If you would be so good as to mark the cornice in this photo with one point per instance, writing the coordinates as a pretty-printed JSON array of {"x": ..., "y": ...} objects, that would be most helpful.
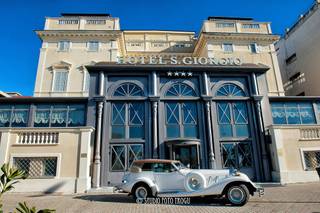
[{"x": 79, "y": 33}]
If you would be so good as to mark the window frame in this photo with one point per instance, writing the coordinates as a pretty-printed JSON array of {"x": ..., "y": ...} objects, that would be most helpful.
[
  {"x": 64, "y": 50},
  {"x": 307, "y": 149},
  {"x": 60, "y": 70},
  {"x": 93, "y": 50},
  {"x": 231, "y": 45},
  {"x": 12, "y": 109},
  {"x": 256, "y": 48}
]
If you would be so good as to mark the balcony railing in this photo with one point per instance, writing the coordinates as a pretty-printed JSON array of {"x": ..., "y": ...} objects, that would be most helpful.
[{"x": 38, "y": 138}]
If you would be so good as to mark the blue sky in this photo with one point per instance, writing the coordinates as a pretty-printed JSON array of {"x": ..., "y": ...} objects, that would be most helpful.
[{"x": 20, "y": 45}]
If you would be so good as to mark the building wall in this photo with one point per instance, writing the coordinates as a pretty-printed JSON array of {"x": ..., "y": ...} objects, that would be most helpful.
[
  {"x": 288, "y": 144},
  {"x": 302, "y": 73},
  {"x": 72, "y": 149}
]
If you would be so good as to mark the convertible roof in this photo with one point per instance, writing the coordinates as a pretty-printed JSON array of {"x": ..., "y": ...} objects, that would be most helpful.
[{"x": 155, "y": 161}]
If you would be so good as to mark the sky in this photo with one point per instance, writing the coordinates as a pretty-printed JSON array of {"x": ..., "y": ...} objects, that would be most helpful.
[{"x": 19, "y": 18}]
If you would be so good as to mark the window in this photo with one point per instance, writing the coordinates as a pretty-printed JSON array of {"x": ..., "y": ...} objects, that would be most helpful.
[
  {"x": 233, "y": 119},
  {"x": 63, "y": 46},
  {"x": 227, "y": 47},
  {"x": 127, "y": 120},
  {"x": 291, "y": 59},
  {"x": 230, "y": 90},
  {"x": 93, "y": 46},
  {"x": 181, "y": 120},
  {"x": 64, "y": 21},
  {"x": 251, "y": 26},
  {"x": 158, "y": 44},
  {"x": 128, "y": 89},
  {"x": 123, "y": 155},
  {"x": 236, "y": 155},
  {"x": 37, "y": 167},
  {"x": 60, "y": 80},
  {"x": 180, "y": 90},
  {"x": 135, "y": 44},
  {"x": 225, "y": 25},
  {"x": 59, "y": 115},
  {"x": 96, "y": 22},
  {"x": 183, "y": 45},
  {"x": 162, "y": 167},
  {"x": 311, "y": 159},
  {"x": 293, "y": 113},
  {"x": 253, "y": 48},
  {"x": 14, "y": 116}
]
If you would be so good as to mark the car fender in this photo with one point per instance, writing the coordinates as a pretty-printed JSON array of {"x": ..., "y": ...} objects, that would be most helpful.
[
  {"x": 154, "y": 188},
  {"x": 218, "y": 188}
]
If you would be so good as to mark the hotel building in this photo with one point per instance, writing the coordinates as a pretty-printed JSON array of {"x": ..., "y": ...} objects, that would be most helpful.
[{"x": 105, "y": 97}]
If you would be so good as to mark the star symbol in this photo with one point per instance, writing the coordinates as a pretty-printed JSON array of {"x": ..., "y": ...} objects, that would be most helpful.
[
  {"x": 183, "y": 74},
  {"x": 169, "y": 73},
  {"x": 176, "y": 74},
  {"x": 189, "y": 73}
]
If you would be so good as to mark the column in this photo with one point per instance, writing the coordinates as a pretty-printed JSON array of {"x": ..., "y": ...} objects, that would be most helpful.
[
  {"x": 154, "y": 101},
  {"x": 97, "y": 155},
  {"x": 257, "y": 103},
  {"x": 84, "y": 180},
  {"x": 207, "y": 98},
  {"x": 4, "y": 146}
]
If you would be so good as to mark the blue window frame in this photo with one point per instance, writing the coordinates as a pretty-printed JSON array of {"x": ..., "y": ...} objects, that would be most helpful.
[
  {"x": 128, "y": 120},
  {"x": 14, "y": 115},
  {"x": 233, "y": 119},
  {"x": 293, "y": 113}
]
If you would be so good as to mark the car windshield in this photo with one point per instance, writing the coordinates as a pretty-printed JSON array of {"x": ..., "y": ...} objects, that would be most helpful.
[{"x": 180, "y": 165}]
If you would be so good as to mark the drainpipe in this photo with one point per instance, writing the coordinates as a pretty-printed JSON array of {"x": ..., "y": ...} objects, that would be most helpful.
[
  {"x": 97, "y": 155},
  {"x": 212, "y": 162}
]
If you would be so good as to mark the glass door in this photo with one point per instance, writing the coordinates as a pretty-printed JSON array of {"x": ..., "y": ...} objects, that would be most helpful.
[{"x": 188, "y": 155}]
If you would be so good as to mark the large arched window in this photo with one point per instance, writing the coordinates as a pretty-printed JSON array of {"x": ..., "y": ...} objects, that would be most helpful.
[
  {"x": 127, "y": 124},
  {"x": 233, "y": 122},
  {"x": 128, "y": 89},
  {"x": 181, "y": 115}
]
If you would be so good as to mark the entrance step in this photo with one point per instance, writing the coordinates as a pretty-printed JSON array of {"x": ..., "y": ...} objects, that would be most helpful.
[{"x": 101, "y": 190}]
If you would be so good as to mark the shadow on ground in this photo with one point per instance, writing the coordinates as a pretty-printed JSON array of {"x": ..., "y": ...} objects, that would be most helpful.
[{"x": 124, "y": 198}]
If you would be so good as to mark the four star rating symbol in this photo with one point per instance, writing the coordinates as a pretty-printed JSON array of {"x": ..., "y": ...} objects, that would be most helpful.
[{"x": 179, "y": 74}]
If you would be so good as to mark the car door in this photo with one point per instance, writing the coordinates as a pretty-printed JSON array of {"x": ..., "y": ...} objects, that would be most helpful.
[{"x": 167, "y": 178}]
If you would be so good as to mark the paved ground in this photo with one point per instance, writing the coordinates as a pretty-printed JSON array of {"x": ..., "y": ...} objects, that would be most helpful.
[{"x": 301, "y": 198}]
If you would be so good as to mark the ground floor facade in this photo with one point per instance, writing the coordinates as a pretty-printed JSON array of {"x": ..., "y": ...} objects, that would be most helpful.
[{"x": 206, "y": 117}]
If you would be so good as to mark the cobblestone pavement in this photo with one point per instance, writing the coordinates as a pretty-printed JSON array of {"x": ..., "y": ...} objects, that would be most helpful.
[{"x": 299, "y": 198}]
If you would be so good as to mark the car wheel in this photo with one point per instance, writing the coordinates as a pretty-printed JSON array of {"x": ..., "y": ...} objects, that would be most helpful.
[
  {"x": 238, "y": 195},
  {"x": 140, "y": 192}
]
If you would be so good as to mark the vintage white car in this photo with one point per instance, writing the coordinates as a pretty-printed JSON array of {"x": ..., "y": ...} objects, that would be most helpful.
[{"x": 169, "y": 178}]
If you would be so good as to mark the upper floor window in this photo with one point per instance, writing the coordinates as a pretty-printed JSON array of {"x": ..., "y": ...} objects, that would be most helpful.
[
  {"x": 230, "y": 90},
  {"x": 63, "y": 46},
  {"x": 97, "y": 22},
  {"x": 159, "y": 44},
  {"x": 225, "y": 25},
  {"x": 251, "y": 26},
  {"x": 59, "y": 115},
  {"x": 293, "y": 113},
  {"x": 253, "y": 48},
  {"x": 14, "y": 116},
  {"x": 227, "y": 47},
  {"x": 93, "y": 46},
  {"x": 60, "y": 80},
  {"x": 180, "y": 90},
  {"x": 135, "y": 44},
  {"x": 68, "y": 21},
  {"x": 128, "y": 89},
  {"x": 291, "y": 58},
  {"x": 183, "y": 45}
]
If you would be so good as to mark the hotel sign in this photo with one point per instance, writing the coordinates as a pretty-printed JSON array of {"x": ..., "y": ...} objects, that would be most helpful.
[{"x": 173, "y": 60}]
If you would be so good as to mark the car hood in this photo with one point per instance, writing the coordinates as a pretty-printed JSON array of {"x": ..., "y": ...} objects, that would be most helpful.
[{"x": 208, "y": 172}]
